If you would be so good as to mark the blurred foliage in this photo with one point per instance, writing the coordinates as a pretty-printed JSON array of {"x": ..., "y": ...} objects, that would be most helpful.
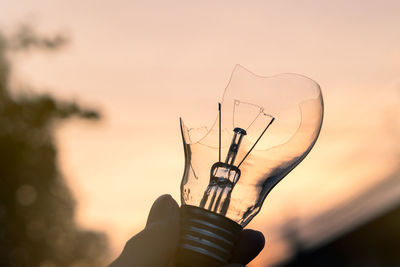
[{"x": 37, "y": 225}]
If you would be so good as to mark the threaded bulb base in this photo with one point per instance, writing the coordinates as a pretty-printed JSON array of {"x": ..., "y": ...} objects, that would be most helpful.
[{"x": 206, "y": 239}]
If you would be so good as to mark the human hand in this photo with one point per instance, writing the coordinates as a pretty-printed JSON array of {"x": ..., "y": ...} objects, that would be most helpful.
[{"x": 157, "y": 244}]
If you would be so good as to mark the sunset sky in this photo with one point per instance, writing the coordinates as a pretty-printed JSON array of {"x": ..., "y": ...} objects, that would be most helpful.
[{"x": 144, "y": 64}]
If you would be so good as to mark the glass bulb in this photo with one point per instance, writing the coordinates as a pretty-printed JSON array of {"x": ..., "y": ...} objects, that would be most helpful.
[{"x": 264, "y": 128}]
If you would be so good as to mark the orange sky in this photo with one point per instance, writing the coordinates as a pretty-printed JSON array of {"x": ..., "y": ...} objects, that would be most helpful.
[{"x": 146, "y": 63}]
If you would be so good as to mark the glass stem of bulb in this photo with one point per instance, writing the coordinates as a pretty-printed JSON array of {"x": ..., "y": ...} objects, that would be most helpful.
[
  {"x": 223, "y": 178},
  {"x": 234, "y": 147},
  {"x": 225, "y": 175}
]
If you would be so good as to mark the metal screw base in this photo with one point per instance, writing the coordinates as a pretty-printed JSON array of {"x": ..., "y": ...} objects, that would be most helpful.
[{"x": 207, "y": 238}]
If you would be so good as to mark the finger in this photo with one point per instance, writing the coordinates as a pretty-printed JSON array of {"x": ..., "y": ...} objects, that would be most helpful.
[
  {"x": 163, "y": 208},
  {"x": 249, "y": 245},
  {"x": 156, "y": 245}
]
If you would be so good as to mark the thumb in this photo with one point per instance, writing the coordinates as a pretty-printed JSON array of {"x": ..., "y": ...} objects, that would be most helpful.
[
  {"x": 164, "y": 208},
  {"x": 155, "y": 245}
]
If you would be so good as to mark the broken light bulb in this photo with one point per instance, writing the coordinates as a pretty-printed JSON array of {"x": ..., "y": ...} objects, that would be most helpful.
[{"x": 265, "y": 127}]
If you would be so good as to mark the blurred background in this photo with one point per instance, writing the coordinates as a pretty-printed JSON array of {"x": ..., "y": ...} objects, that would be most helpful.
[{"x": 91, "y": 93}]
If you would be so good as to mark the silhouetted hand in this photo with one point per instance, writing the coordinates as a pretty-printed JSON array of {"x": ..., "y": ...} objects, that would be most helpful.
[{"x": 157, "y": 244}]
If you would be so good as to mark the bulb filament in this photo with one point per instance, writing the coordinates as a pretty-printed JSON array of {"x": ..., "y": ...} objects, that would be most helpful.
[
  {"x": 234, "y": 147},
  {"x": 224, "y": 175}
]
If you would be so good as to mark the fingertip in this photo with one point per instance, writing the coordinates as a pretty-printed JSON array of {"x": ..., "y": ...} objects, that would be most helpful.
[
  {"x": 166, "y": 200},
  {"x": 249, "y": 245},
  {"x": 257, "y": 237},
  {"x": 165, "y": 197},
  {"x": 163, "y": 208}
]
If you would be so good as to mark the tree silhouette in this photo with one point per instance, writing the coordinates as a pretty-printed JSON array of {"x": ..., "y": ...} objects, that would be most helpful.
[{"x": 37, "y": 225}]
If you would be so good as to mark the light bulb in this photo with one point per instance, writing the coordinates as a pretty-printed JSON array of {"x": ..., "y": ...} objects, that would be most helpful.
[{"x": 264, "y": 128}]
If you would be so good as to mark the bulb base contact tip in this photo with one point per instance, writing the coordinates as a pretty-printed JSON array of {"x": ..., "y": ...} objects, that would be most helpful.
[{"x": 207, "y": 238}]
